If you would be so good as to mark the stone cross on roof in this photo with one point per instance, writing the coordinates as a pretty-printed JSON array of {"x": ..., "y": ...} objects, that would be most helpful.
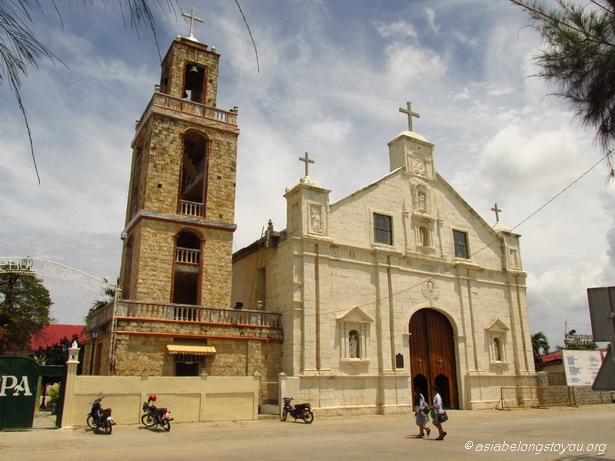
[
  {"x": 192, "y": 16},
  {"x": 307, "y": 162},
  {"x": 497, "y": 212},
  {"x": 411, "y": 114}
]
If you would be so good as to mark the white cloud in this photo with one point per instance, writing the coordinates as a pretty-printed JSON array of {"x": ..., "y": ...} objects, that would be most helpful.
[
  {"x": 408, "y": 65},
  {"x": 395, "y": 29},
  {"x": 431, "y": 19}
]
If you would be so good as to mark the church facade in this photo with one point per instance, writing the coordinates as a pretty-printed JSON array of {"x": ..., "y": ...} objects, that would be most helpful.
[{"x": 401, "y": 284}]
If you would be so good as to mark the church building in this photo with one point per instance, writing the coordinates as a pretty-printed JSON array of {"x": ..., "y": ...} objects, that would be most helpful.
[{"x": 400, "y": 284}]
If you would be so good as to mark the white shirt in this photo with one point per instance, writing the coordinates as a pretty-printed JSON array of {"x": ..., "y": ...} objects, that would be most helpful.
[
  {"x": 421, "y": 403},
  {"x": 437, "y": 403}
]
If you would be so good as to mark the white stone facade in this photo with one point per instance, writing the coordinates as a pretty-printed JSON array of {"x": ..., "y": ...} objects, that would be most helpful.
[{"x": 348, "y": 277}]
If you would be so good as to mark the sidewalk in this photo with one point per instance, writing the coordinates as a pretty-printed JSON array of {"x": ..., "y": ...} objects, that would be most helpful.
[
  {"x": 565, "y": 433},
  {"x": 44, "y": 420}
]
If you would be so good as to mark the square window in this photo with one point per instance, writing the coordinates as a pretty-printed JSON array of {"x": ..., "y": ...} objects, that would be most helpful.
[
  {"x": 460, "y": 240},
  {"x": 383, "y": 229}
]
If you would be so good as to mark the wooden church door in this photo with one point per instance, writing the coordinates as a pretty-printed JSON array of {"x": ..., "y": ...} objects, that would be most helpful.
[{"x": 432, "y": 356}]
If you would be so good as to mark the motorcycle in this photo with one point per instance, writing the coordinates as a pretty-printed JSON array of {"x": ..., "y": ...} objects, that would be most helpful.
[
  {"x": 301, "y": 410},
  {"x": 99, "y": 417},
  {"x": 154, "y": 416}
]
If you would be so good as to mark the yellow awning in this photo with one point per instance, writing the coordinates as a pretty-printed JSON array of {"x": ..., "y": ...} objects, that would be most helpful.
[{"x": 196, "y": 350}]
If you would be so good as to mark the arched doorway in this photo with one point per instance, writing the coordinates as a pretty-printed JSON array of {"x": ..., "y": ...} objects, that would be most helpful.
[{"x": 432, "y": 355}]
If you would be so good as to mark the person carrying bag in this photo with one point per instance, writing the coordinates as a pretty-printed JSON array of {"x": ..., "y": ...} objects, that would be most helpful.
[
  {"x": 421, "y": 410},
  {"x": 439, "y": 415}
]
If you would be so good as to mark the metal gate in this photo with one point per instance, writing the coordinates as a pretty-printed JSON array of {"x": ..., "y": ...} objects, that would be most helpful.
[{"x": 19, "y": 381}]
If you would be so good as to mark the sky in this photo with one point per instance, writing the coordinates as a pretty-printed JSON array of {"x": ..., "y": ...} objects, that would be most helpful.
[{"x": 329, "y": 80}]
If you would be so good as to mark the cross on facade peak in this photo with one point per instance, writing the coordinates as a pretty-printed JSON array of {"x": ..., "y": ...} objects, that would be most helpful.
[
  {"x": 193, "y": 17},
  {"x": 306, "y": 159},
  {"x": 411, "y": 114},
  {"x": 497, "y": 212}
]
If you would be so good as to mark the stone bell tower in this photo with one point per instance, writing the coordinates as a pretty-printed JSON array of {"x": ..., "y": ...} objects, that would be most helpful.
[{"x": 181, "y": 201}]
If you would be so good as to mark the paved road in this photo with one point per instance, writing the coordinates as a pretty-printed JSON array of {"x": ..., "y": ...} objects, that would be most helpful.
[{"x": 579, "y": 433}]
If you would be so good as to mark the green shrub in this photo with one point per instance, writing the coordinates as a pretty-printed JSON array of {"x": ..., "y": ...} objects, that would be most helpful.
[{"x": 54, "y": 396}]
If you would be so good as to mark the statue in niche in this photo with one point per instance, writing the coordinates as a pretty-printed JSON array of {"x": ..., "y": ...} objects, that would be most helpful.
[
  {"x": 514, "y": 262},
  {"x": 497, "y": 349},
  {"x": 422, "y": 201},
  {"x": 316, "y": 219},
  {"x": 354, "y": 345}
]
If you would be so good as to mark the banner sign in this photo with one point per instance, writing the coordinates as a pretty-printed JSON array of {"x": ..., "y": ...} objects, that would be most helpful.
[{"x": 581, "y": 367}]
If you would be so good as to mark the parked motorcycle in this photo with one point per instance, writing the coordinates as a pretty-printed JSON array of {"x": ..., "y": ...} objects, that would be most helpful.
[
  {"x": 154, "y": 416},
  {"x": 301, "y": 410},
  {"x": 99, "y": 417}
]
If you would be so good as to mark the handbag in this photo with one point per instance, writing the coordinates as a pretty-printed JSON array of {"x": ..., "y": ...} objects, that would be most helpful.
[
  {"x": 443, "y": 417},
  {"x": 425, "y": 410}
]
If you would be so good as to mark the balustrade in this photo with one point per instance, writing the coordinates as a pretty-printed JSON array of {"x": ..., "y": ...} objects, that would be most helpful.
[
  {"x": 195, "y": 108},
  {"x": 187, "y": 255},
  {"x": 184, "y": 312},
  {"x": 190, "y": 208}
]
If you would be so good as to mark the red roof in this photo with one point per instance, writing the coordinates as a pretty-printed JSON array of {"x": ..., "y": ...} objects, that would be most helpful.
[
  {"x": 551, "y": 357},
  {"x": 556, "y": 356},
  {"x": 54, "y": 333}
]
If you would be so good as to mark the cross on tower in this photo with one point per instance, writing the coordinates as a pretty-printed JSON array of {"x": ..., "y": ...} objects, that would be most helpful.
[
  {"x": 307, "y": 161},
  {"x": 411, "y": 114},
  {"x": 497, "y": 212},
  {"x": 192, "y": 16}
]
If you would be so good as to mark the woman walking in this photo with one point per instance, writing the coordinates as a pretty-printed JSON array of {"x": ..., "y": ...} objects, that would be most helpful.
[
  {"x": 419, "y": 411},
  {"x": 438, "y": 411}
]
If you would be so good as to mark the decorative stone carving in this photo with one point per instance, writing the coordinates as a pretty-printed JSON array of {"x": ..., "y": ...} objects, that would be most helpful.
[
  {"x": 420, "y": 165},
  {"x": 431, "y": 290}
]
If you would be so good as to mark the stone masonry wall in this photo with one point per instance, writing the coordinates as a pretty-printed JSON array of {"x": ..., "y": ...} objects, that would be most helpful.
[{"x": 146, "y": 354}]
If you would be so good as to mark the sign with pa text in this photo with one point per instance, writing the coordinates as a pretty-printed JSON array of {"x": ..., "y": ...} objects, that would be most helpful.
[
  {"x": 14, "y": 386},
  {"x": 18, "y": 388}
]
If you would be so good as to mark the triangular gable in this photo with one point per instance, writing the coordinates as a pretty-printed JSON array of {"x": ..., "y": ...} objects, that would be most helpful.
[
  {"x": 355, "y": 315},
  {"x": 496, "y": 325},
  {"x": 337, "y": 204}
]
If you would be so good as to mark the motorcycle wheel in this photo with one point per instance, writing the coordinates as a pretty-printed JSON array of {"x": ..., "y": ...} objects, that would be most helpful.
[
  {"x": 166, "y": 425},
  {"x": 148, "y": 420},
  {"x": 308, "y": 416},
  {"x": 90, "y": 421},
  {"x": 108, "y": 427},
  {"x": 284, "y": 415}
]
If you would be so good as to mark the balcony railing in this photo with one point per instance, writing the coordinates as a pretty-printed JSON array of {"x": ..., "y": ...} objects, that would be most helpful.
[
  {"x": 188, "y": 107},
  {"x": 195, "y": 108},
  {"x": 187, "y": 255},
  {"x": 183, "y": 312},
  {"x": 190, "y": 208},
  {"x": 100, "y": 317}
]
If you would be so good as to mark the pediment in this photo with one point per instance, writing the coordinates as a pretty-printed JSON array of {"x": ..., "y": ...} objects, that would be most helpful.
[
  {"x": 496, "y": 325},
  {"x": 355, "y": 315}
]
